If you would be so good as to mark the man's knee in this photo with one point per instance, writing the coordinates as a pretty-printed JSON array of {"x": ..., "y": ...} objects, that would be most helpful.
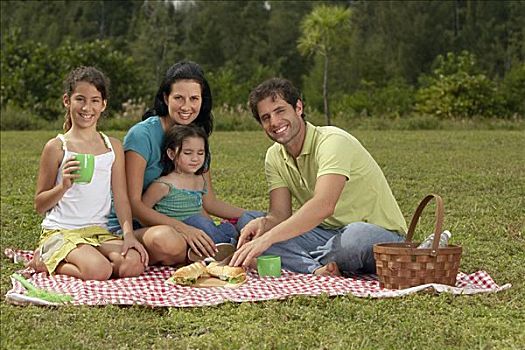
[
  {"x": 357, "y": 243},
  {"x": 246, "y": 217}
]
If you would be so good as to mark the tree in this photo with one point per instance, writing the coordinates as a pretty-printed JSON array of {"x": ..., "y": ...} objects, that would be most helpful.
[
  {"x": 54, "y": 22},
  {"x": 281, "y": 35},
  {"x": 155, "y": 41},
  {"x": 320, "y": 32}
]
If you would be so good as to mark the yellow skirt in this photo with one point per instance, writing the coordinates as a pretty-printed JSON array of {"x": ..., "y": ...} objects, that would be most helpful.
[{"x": 56, "y": 244}]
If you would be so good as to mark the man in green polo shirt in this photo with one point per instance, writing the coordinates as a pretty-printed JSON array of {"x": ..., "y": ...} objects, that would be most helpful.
[{"x": 346, "y": 203}]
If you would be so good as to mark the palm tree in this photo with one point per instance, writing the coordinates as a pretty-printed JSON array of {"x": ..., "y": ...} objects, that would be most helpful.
[{"x": 320, "y": 31}]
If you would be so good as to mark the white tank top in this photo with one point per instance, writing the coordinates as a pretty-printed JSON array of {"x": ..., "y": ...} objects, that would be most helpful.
[{"x": 84, "y": 204}]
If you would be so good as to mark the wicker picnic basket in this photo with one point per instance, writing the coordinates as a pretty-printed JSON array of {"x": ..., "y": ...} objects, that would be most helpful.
[{"x": 403, "y": 265}]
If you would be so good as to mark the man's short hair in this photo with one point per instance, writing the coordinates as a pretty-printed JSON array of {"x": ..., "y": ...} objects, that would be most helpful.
[{"x": 274, "y": 87}]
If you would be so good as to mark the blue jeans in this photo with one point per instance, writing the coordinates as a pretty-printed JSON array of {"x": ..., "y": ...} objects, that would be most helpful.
[
  {"x": 350, "y": 247},
  {"x": 225, "y": 232}
]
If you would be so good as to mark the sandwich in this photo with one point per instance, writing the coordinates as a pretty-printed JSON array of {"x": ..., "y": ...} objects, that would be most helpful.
[
  {"x": 227, "y": 273},
  {"x": 188, "y": 275}
]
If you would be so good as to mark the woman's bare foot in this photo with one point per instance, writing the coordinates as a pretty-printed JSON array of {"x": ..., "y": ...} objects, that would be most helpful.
[{"x": 329, "y": 269}]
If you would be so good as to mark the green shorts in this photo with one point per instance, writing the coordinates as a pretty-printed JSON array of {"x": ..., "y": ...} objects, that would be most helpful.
[{"x": 56, "y": 244}]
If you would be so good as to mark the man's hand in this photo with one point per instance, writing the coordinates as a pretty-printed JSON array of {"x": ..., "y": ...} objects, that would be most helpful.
[
  {"x": 251, "y": 231},
  {"x": 245, "y": 255}
]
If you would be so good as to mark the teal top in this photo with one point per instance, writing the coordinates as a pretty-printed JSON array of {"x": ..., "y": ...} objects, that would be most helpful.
[
  {"x": 180, "y": 203},
  {"x": 146, "y": 139}
]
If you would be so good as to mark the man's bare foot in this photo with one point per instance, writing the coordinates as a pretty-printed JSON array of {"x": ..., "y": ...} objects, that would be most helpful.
[
  {"x": 36, "y": 263},
  {"x": 329, "y": 269}
]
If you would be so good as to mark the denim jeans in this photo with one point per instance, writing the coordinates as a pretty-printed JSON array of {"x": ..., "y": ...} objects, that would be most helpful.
[
  {"x": 350, "y": 247},
  {"x": 225, "y": 232}
]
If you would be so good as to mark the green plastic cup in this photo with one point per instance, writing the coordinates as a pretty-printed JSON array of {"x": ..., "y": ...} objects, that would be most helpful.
[
  {"x": 269, "y": 265},
  {"x": 87, "y": 167}
]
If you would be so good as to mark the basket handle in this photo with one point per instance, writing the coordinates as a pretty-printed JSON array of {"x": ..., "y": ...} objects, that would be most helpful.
[{"x": 439, "y": 220}]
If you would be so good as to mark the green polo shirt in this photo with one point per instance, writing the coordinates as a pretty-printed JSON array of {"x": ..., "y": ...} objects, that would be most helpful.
[{"x": 366, "y": 196}]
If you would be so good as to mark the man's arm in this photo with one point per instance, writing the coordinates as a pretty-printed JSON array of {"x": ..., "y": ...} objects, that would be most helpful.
[
  {"x": 327, "y": 191},
  {"x": 280, "y": 210}
]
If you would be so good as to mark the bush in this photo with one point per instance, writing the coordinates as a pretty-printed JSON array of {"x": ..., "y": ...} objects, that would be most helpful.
[
  {"x": 512, "y": 90},
  {"x": 131, "y": 113},
  {"x": 409, "y": 122},
  {"x": 418, "y": 122},
  {"x": 393, "y": 100},
  {"x": 230, "y": 88},
  {"x": 234, "y": 119},
  {"x": 120, "y": 124},
  {"x": 32, "y": 74},
  {"x": 15, "y": 118},
  {"x": 456, "y": 90}
]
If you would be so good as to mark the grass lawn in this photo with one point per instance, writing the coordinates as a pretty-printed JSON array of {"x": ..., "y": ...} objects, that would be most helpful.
[{"x": 479, "y": 174}]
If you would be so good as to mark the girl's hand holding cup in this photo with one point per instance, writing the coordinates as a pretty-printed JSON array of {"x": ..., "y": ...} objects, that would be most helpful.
[
  {"x": 78, "y": 169},
  {"x": 68, "y": 175},
  {"x": 86, "y": 163}
]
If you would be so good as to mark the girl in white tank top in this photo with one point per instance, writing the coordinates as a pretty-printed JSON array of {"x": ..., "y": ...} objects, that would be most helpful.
[
  {"x": 75, "y": 240},
  {"x": 88, "y": 204}
]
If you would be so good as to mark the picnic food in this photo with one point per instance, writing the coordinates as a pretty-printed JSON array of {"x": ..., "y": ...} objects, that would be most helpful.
[
  {"x": 188, "y": 275},
  {"x": 227, "y": 273},
  {"x": 191, "y": 275}
]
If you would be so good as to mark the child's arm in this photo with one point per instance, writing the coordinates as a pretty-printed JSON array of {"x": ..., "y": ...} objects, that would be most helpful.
[
  {"x": 215, "y": 206},
  {"x": 47, "y": 192},
  {"x": 154, "y": 193},
  {"x": 121, "y": 202}
]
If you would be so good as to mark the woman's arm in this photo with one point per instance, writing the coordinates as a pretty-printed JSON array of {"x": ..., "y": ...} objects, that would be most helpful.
[
  {"x": 215, "y": 206},
  {"x": 121, "y": 203},
  {"x": 118, "y": 187},
  {"x": 47, "y": 192}
]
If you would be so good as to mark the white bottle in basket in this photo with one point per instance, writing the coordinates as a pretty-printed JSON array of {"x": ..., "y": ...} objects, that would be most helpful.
[{"x": 443, "y": 240}]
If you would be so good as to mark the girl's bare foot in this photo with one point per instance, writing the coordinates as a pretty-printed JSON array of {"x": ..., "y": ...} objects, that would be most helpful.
[
  {"x": 329, "y": 269},
  {"x": 36, "y": 263}
]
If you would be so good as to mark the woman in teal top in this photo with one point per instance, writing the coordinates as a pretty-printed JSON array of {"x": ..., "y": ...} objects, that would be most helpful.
[{"x": 183, "y": 98}]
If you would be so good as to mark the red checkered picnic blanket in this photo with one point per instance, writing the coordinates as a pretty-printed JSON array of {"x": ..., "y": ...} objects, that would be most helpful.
[{"x": 152, "y": 289}]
